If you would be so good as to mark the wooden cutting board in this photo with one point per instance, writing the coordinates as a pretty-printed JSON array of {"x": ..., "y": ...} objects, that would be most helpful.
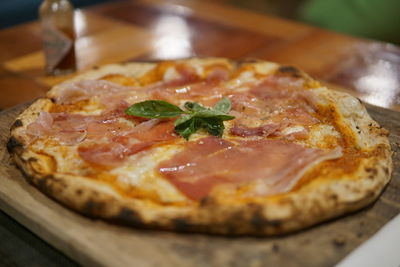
[{"x": 96, "y": 243}]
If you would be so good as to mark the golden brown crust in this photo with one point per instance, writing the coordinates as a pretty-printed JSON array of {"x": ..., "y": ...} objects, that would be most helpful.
[{"x": 328, "y": 196}]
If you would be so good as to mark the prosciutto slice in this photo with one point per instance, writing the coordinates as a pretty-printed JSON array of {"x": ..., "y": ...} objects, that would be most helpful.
[
  {"x": 276, "y": 123},
  {"x": 70, "y": 93},
  {"x": 68, "y": 129},
  {"x": 120, "y": 146},
  {"x": 108, "y": 155},
  {"x": 71, "y": 129},
  {"x": 187, "y": 84},
  {"x": 273, "y": 165},
  {"x": 265, "y": 130},
  {"x": 191, "y": 88}
]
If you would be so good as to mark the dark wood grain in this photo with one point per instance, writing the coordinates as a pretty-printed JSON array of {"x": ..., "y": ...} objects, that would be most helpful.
[
  {"x": 16, "y": 88},
  {"x": 20, "y": 247},
  {"x": 19, "y": 40},
  {"x": 154, "y": 29},
  {"x": 97, "y": 243}
]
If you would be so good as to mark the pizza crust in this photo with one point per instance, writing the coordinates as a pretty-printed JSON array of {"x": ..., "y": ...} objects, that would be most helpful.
[{"x": 314, "y": 202}]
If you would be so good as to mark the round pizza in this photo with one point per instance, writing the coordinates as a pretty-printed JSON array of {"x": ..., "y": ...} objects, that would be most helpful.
[{"x": 203, "y": 145}]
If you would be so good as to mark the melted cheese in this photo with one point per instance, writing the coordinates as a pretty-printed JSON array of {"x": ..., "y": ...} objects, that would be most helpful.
[
  {"x": 140, "y": 169},
  {"x": 323, "y": 136}
]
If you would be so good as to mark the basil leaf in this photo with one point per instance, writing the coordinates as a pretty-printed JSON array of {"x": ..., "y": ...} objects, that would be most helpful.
[
  {"x": 154, "y": 109},
  {"x": 214, "y": 126},
  {"x": 209, "y": 113},
  {"x": 193, "y": 106},
  {"x": 224, "y": 105},
  {"x": 195, "y": 117},
  {"x": 187, "y": 128},
  {"x": 183, "y": 119}
]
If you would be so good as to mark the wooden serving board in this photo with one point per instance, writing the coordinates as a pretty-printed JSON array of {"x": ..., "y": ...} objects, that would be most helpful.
[{"x": 96, "y": 243}]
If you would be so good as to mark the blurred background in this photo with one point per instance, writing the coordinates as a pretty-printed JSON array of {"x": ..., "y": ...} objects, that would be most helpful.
[
  {"x": 13, "y": 12},
  {"x": 373, "y": 19}
]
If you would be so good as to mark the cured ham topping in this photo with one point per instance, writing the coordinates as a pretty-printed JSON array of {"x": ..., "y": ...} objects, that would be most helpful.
[
  {"x": 274, "y": 166},
  {"x": 104, "y": 140},
  {"x": 217, "y": 73},
  {"x": 186, "y": 75},
  {"x": 275, "y": 87},
  {"x": 272, "y": 123},
  {"x": 248, "y": 104},
  {"x": 186, "y": 84},
  {"x": 66, "y": 128},
  {"x": 295, "y": 116},
  {"x": 153, "y": 131},
  {"x": 110, "y": 95},
  {"x": 42, "y": 125},
  {"x": 193, "y": 89},
  {"x": 71, "y": 129},
  {"x": 182, "y": 170},
  {"x": 273, "y": 107},
  {"x": 284, "y": 92},
  {"x": 108, "y": 155},
  {"x": 119, "y": 147},
  {"x": 70, "y": 93},
  {"x": 265, "y": 130}
]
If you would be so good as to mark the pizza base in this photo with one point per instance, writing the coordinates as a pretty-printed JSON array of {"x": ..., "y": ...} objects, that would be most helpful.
[{"x": 314, "y": 202}]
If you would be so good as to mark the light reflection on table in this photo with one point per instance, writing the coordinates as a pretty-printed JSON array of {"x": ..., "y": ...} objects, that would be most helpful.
[
  {"x": 155, "y": 30},
  {"x": 374, "y": 72},
  {"x": 172, "y": 38}
]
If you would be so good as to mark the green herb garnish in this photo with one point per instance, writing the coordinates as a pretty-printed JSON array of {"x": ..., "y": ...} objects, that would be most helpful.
[{"x": 192, "y": 119}]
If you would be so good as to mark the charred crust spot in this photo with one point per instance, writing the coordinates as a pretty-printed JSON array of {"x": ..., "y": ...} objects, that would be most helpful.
[
  {"x": 247, "y": 61},
  {"x": 334, "y": 197},
  {"x": 79, "y": 192},
  {"x": 53, "y": 100},
  {"x": 386, "y": 170},
  {"x": 30, "y": 160},
  {"x": 92, "y": 208},
  {"x": 128, "y": 216},
  {"x": 181, "y": 224},
  {"x": 17, "y": 123},
  {"x": 13, "y": 144},
  {"x": 274, "y": 223},
  {"x": 373, "y": 171},
  {"x": 370, "y": 194},
  {"x": 44, "y": 185},
  {"x": 49, "y": 185},
  {"x": 258, "y": 220},
  {"x": 95, "y": 67},
  {"x": 288, "y": 69},
  {"x": 293, "y": 71}
]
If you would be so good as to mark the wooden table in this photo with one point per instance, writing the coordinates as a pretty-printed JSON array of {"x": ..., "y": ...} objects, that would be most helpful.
[{"x": 156, "y": 29}]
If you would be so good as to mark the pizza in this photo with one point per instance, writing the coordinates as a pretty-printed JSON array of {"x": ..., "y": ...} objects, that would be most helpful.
[{"x": 203, "y": 145}]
